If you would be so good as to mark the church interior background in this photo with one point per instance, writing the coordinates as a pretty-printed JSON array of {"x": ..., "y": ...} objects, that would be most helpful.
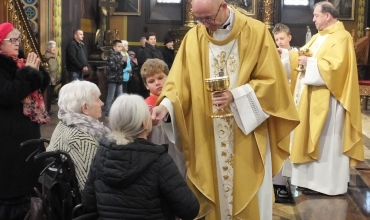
[{"x": 132, "y": 19}]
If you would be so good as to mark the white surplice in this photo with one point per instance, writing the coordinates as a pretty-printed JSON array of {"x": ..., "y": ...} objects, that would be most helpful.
[
  {"x": 330, "y": 173},
  {"x": 248, "y": 115}
]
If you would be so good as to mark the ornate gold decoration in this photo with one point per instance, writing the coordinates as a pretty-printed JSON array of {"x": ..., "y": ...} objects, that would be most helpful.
[
  {"x": 57, "y": 31},
  {"x": 18, "y": 18},
  {"x": 268, "y": 13},
  {"x": 219, "y": 84},
  {"x": 189, "y": 16},
  {"x": 303, "y": 52}
]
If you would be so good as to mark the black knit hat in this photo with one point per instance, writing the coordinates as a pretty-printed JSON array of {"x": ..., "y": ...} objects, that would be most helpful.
[{"x": 168, "y": 38}]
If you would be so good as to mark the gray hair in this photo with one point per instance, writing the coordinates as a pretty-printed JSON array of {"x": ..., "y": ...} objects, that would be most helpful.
[
  {"x": 327, "y": 7},
  {"x": 15, "y": 31},
  {"x": 75, "y": 94},
  {"x": 124, "y": 42},
  {"x": 126, "y": 118},
  {"x": 50, "y": 44}
]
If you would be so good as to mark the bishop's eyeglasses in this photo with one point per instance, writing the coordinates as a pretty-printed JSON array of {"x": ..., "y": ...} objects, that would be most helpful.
[{"x": 209, "y": 19}]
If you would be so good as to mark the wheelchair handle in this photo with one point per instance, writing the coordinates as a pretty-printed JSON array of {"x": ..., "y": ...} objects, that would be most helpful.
[
  {"x": 47, "y": 154},
  {"x": 35, "y": 141}
]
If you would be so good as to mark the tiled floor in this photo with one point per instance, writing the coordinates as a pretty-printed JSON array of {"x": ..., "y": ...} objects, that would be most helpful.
[{"x": 354, "y": 205}]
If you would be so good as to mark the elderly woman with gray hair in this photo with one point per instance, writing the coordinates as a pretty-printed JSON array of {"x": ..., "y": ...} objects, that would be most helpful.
[
  {"x": 79, "y": 131},
  {"x": 132, "y": 178},
  {"x": 51, "y": 57}
]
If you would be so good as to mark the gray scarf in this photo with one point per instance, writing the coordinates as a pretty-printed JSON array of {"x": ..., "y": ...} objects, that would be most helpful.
[{"x": 83, "y": 123}]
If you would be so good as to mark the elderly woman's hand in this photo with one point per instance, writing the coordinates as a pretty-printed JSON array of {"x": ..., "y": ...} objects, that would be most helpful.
[{"x": 33, "y": 61}]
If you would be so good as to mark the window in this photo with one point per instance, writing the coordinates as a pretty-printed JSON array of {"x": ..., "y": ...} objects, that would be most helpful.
[
  {"x": 168, "y": 1},
  {"x": 296, "y": 2}
]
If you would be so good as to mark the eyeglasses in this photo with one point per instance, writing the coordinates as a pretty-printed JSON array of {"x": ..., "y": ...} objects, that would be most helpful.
[
  {"x": 14, "y": 40},
  {"x": 209, "y": 19}
]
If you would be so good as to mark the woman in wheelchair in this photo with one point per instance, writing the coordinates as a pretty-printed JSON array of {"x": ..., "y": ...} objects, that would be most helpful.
[
  {"x": 132, "y": 178},
  {"x": 79, "y": 130}
]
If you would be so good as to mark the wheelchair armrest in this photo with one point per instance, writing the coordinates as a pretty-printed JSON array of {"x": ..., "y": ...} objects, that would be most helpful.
[
  {"x": 35, "y": 141},
  {"x": 47, "y": 154}
]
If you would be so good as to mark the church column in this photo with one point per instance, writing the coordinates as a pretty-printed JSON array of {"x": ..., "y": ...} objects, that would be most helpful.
[
  {"x": 268, "y": 13},
  {"x": 189, "y": 23},
  {"x": 189, "y": 17}
]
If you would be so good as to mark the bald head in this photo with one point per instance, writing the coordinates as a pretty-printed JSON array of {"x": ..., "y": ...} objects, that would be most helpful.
[
  {"x": 211, "y": 13},
  {"x": 327, "y": 7},
  {"x": 204, "y": 4}
]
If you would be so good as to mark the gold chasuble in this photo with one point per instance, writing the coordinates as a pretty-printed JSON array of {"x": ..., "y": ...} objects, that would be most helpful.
[
  {"x": 293, "y": 57},
  {"x": 336, "y": 61},
  {"x": 261, "y": 68}
]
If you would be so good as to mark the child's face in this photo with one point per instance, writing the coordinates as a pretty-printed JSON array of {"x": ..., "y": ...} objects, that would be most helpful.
[
  {"x": 118, "y": 47},
  {"x": 282, "y": 40},
  {"x": 155, "y": 83}
]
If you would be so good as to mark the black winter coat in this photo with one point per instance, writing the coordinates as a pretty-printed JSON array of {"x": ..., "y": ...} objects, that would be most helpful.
[
  {"x": 168, "y": 56},
  {"x": 76, "y": 58},
  {"x": 17, "y": 177},
  {"x": 150, "y": 52},
  {"x": 115, "y": 67},
  {"x": 137, "y": 181}
]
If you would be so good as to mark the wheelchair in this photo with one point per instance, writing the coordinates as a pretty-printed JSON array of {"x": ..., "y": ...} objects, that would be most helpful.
[{"x": 60, "y": 198}]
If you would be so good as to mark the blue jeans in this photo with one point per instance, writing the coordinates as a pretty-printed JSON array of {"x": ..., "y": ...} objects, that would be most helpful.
[
  {"x": 113, "y": 88},
  {"x": 74, "y": 75}
]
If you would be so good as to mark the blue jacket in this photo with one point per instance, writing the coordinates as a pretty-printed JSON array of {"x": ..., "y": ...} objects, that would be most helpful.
[{"x": 126, "y": 71}]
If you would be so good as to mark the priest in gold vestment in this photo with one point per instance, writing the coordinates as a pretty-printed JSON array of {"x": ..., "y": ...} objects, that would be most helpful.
[
  {"x": 329, "y": 138},
  {"x": 230, "y": 162}
]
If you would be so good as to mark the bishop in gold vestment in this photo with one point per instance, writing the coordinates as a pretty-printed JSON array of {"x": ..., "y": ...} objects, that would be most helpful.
[
  {"x": 244, "y": 50},
  {"x": 329, "y": 138}
]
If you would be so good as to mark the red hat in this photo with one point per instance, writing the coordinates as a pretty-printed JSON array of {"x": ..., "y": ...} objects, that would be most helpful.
[{"x": 5, "y": 28}]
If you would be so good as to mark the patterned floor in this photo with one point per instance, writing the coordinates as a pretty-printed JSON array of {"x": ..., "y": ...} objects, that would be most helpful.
[{"x": 353, "y": 205}]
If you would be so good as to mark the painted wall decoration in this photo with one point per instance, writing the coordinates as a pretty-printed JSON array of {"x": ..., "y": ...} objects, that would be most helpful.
[{"x": 31, "y": 8}]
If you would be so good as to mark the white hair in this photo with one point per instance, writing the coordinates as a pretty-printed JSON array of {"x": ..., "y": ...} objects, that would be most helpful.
[
  {"x": 50, "y": 44},
  {"x": 75, "y": 94},
  {"x": 124, "y": 42},
  {"x": 15, "y": 31},
  {"x": 126, "y": 118}
]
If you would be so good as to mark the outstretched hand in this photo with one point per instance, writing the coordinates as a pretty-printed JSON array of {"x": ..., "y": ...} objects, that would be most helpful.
[
  {"x": 158, "y": 113},
  {"x": 33, "y": 61}
]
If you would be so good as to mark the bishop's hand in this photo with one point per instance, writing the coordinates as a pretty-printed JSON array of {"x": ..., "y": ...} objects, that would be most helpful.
[
  {"x": 222, "y": 99},
  {"x": 158, "y": 113}
]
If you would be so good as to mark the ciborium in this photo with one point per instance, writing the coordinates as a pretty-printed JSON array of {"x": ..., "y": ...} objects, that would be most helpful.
[
  {"x": 303, "y": 52},
  {"x": 219, "y": 84}
]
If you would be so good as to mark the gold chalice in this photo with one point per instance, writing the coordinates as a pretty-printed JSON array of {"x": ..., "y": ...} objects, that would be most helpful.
[
  {"x": 303, "y": 52},
  {"x": 219, "y": 84}
]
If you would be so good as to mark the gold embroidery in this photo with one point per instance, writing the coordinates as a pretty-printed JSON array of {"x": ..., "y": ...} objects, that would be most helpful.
[
  {"x": 230, "y": 160},
  {"x": 223, "y": 64}
]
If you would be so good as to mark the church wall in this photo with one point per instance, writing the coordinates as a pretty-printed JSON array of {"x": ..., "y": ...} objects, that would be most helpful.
[
  {"x": 132, "y": 28},
  {"x": 298, "y": 17}
]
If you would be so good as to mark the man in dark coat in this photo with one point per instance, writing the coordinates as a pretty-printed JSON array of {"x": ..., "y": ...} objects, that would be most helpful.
[
  {"x": 76, "y": 60},
  {"x": 151, "y": 50}
]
